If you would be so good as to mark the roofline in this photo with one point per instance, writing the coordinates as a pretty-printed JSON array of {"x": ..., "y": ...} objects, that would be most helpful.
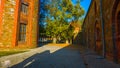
[{"x": 87, "y": 12}]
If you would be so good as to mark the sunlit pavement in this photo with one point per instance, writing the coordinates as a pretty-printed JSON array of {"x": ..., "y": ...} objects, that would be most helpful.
[{"x": 58, "y": 56}]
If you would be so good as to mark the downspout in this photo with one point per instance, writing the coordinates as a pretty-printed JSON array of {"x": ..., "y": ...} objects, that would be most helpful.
[
  {"x": 103, "y": 34},
  {"x": 114, "y": 36}
]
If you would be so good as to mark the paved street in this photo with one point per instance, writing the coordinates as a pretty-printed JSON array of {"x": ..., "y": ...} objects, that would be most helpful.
[
  {"x": 57, "y": 56},
  {"x": 54, "y": 56}
]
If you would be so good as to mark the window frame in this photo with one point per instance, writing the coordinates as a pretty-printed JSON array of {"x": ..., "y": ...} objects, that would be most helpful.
[
  {"x": 22, "y": 32},
  {"x": 24, "y": 8}
]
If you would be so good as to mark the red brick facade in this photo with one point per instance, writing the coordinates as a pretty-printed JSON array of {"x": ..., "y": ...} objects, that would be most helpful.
[{"x": 18, "y": 23}]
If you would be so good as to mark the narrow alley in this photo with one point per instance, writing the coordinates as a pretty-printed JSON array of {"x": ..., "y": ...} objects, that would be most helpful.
[{"x": 59, "y": 34}]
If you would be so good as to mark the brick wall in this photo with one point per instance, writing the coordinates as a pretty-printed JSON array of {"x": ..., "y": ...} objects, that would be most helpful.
[
  {"x": 7, "y": 23},
  {"x": 10, "y": 22},
  {"x": 92, "y": 17}
]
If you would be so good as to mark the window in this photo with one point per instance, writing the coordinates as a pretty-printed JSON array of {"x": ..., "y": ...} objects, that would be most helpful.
[
  {"x": 22, "y": 33},
  {"x": 24, "y": 8}
]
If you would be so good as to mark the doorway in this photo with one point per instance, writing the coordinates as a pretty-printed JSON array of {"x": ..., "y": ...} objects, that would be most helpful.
[
  {"x": 98, "y": 46},
  {"x": 116, "y": 30}
]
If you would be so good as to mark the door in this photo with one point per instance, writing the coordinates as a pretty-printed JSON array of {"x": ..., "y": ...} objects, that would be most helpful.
[{"x": 98, "y": 46}]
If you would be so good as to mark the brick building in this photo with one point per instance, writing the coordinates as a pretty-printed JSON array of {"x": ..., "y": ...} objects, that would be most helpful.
[
  {"x": 18, "y": 23},
  {"x": 101, "y": 28}
]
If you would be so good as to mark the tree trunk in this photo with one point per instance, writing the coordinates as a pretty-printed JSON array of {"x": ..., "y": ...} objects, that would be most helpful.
[
  {"x": 54, "y": 40},
  {"x": 70, "y": 41},
  {"x": 67, "y": 41}
]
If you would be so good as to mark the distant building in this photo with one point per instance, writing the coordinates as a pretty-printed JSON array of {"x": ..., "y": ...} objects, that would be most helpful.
[
  {"x": 18, "y": 23},
  {"x": 101, "y": 28}
]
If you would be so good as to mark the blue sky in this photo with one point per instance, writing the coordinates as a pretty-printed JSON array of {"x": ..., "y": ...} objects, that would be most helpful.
[{"x": 85, "y": 4}]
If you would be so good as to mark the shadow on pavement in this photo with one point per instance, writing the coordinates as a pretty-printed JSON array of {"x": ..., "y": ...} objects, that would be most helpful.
[{"x": 67, "y": 57}]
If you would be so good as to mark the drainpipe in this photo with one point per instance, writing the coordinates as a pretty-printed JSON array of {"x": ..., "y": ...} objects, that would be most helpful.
[
  {"x": 103, "y": 35},
  {"x": 114, "y": 41}
]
